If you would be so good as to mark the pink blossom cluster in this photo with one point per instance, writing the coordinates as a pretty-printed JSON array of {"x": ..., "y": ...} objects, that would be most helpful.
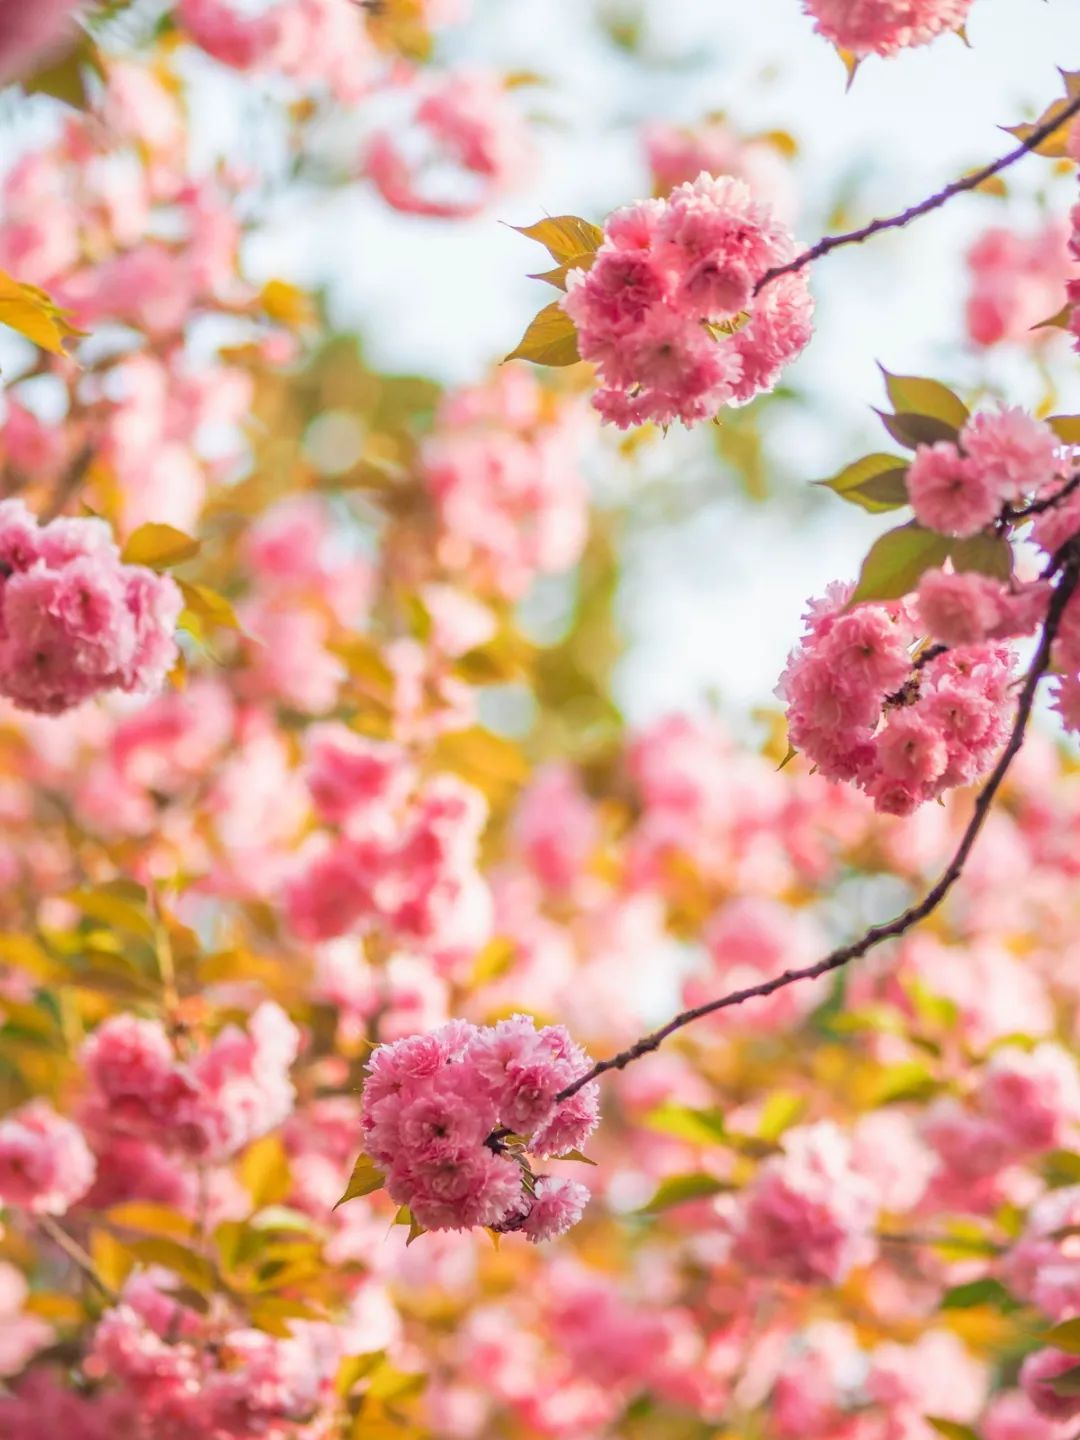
[
  {"x": 212, "y": 1105},
  {"x": 312, "y": 42},
  {"x": 1043, "y": 1267},
  {"x": 1016, "y": 281},
  {"x": 450, "y": 1115},
  {"x": 668, "y": 311},
  {"x": 1072, "y": 282},
  {"x": 883, "y": 27},
  {"x": 45, "y": 1162},
  {"x": 859, "y": 712},
  {"x": 74, "y": 620},
  {"x": 186, "y": 1377},
  {"x": 808, "y": 1214},
  {"x": 503, "y": 467},
  {"x": 404, "y": 855},
  {"x": 473, "y": 145},
  {"x": 960, "y": 488}
]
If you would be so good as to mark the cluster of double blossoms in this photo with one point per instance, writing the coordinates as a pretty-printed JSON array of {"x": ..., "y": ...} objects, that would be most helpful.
[
  {"x": 670, "y": 312},
  {"x": 452, "y": 1117},
  {"x": 910, "y": 697},
  {"x": 74, "y": 620}
]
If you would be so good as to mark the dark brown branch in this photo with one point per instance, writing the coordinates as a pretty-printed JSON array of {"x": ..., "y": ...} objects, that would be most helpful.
[
  {"x": 1037, "y": 507},
  {"x": 69, "y": 484},
  {"x": 924, "y": 207},
  {"x": 1068, "y": 562},
  {"x": 75, "y": 1252}
]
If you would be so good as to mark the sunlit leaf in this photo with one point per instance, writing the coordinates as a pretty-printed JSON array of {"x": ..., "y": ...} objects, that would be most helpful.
[
  {"x": 34, "y": 315},
  {"x": 207, "y": 605},
  {"x": 159, "y": 546},
  {"x": 1054, "y": 146},
  {"x": 550, "y": 339},
  {"x": 194, "y": 1269},
  {"x": 951, "y": 1429},
  {"x": 913, "y": 395},
  {"x": 564, "y": 236},
  {"x": 1068, "y": 1383},
  {"x": 986, "y": 1291},
  {"x": 366, "y": 1178},
  {"x": 1066, "y": 428}
]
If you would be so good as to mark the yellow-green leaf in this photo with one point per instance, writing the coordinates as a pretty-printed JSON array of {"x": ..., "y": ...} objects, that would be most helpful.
[
  {"x": 151, "y": 1219},
  {"x": 557, "y": 277},
  {"x": 33, "y": 314},
  {"x": 703, "y": 1127},
  {"x": 911, "y": 393},
  {"x": 876, "y": 483},
  {"x": 159, "y": 546},
  {"x": 951, "y": 1429},
  {"x": 366, "y": 1178},
  {"x": 194, "y": 1269},
  {"x": 680, "y": 1189},
  {"x": 1053, "y": 147},
  {"x": 207, "y": 604},
  {"x": 1066, "y": 428},
  {"x": 1065, "y": 1336},
  {"x": 1067, "y": 1383},
  {"x": 550, "y": 339},
  {"x": 64, "y": 77},
  {"x": 564, "y": 236},
  {"x": 896, "y": 560}
]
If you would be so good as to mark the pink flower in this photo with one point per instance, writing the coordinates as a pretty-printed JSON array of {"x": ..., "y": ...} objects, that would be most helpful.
[
  {"x": 439, "y": 1112},
  {"x": 1018, "y": 453},
  {"x": 557, "y": 1206},
  {"x": 74, "y": 620},
  {"x": 966, "y": 608},
  {"x": 807, "y": 1215},
  {"x": 678, "y": 154},
  {"x": 469, "y": 125},
  {"x": 237, "y": 40},
  {"x": 1033, "y": 1095},
  {"x": 1037, "y": 1375},
  {"x": 45, "y": 1163},
  {"x": 353, "y": 779},
  {"x": 950, "y": 492},
  {"x": 882, "y": 27},
  {"x": 667, "y": 311},
  {"x": 1011, "y": 1416},
  {"x": 1016, "y": 284}
]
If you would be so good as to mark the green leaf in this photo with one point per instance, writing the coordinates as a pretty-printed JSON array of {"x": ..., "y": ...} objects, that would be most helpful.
[
  {"x": 951, "y": 1429},
  {"x": 985, "y": 553},
  {"x": 564, "y": 236},
  {"x": 550, "y": 339},
  {"x": 703, "y": 1127},
  {"x": 678, "y": 1189},
  {"x": 117, "y": 904},
  {"x": 913, "y": 430},
  {"x": 987, "y": 1291},
  {"x": 910, "y": 394},
  {"x": 366, "y": 1178},
  {"x": 576, "y": 1155},
  {"x": 1067, "y": 1383},
  {"x": 877, "y": 483},
  {"x": 1066, "y": 427},
  {"x": 896, "y": 561},
  {"x": 1065, "y": 1336},
  {"x": 159, "y": 546},
  {"x": 356, "y": 1367}
]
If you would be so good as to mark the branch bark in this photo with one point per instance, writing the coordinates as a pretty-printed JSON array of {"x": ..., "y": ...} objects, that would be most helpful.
[
  {"x": 1067, "y": 565},
  {"x": 924, "y": 207}
]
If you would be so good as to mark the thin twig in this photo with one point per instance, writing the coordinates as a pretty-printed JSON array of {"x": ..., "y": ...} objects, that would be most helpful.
[
  {"x": 1037, "y": 507},
  {"x": 1068, "y": 561},
  {"x": 75, "y": 1252},
  {"x": 924, "y": 207},
  {"x": 68, "y": 485}
]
